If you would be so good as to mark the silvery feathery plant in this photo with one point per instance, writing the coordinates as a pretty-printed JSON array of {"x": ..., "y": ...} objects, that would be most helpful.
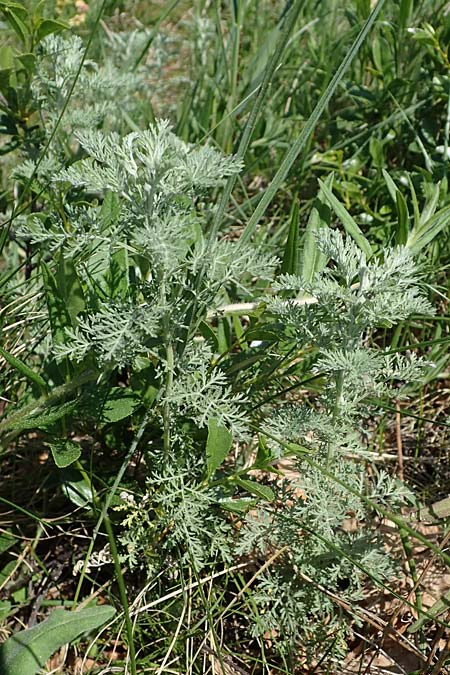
[
  {"x": 322, "y": 525},
  {"x": 128, "y": 287},
  {"x": 69, "y": 93},
  {"x": 129, "y": 279}
]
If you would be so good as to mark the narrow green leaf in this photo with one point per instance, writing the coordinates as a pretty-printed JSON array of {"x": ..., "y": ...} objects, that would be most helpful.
[
  {"x": 347, "y": 221},
  {"x": 440, "y": 606},
  {"x": 44, "y": 403},
  {"x": 430, "y": 207},
  {"x": 23, "y": 368},
  {"x": 64, "y": 452},
  {"x": 25, "y": 652},
  {"x": 405, "y": 12},
  {"x": 297, "y": 449},
  {"x": 291, "y": 250},
  {"x": 164, "y": 14},
  {"x": 262, "y": 491},
  {"x": 419, "y": 239},
  {"x": 312, "y": 260},
  {"x": 391, "y": 186},
  {"x": 218, "y": 445},
  {"x": 402, "y": 210},
  {"x": 403, "y": 219},
  {"x": 415, "y": 203}
]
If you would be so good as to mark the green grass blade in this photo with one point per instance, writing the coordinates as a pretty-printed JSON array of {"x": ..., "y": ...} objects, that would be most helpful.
[
  {"x": 171, "y": 6},
  {"x": 23, "y": 368},
  {"x": 420, "y": 238},
  {"x": 287, "y": 25},
  {"x": 312, "y": 260},
  {"x": 347, "y": 221},
  {"x": 290, "y": 262},
  {"x": 309, "y": 127}
]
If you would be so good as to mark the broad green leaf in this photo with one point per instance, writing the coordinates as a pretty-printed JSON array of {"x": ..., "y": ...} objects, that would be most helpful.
[
  {"x": 376, "y": 152},
  {"x": 405, "y": 12},
  {"x": 144, "y": 381},
  {"x": 110, "y": 211},
  {"x": 209, "y": 335},
  {"x": 49, "y": 26},
  {"x": 264, "y": 457},
  {"x": 44, "y": 418},
  {"x": 262, "y": 491},
  {"x": 15, "y": 15},
  {"x": 420, "y": 238},
  {"x": 120, "y": 403},
  {"x": 17, "y": 7},
  {"x": 5, "y": 608},
  {"x": 347, "y": 221},
  {"x": 28, "y": 61},
  {"x": 224, "y": 337},
  {"x": 76, "y": 489},
  {"x": 291, "y": 250},
  {"x": 6, "y": 541},
  {"x": 23, "y": 368},
  {"x": 6, "y": 58},
  {"x": 218, "y": 445},
  {"x": 64, "y": 452},
  {"x": 6, "y": 572},
  {"x": 117, "y": 276},
  {"x": 25, "y": 652}
]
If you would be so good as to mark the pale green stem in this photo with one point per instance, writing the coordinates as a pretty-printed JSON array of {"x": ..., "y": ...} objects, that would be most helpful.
[
  {"x": 168, "y": 389},
  {"x": 339, "y": 379},
  {"x": 169, "y": 374}
]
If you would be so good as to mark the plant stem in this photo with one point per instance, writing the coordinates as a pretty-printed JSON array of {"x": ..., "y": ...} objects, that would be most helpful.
[
  {"x": 168, "y": 389},
  {"x": 169, "y": 373},
  {"x": 123, "y": 594}
]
